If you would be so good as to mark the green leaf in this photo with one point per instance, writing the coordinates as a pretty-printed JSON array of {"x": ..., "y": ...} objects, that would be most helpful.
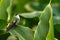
[
  {"x": 56, "y": 19},
  {"x": 50, "y": 35},
  {"x": 3, "y": 7},
  {"x": 43, "y": 25},
  {"x": 23, "y": 33},
  {"x": 9, "y": 13},
  {"x": 11, "y": 37},
  {"x": 31, "y": 15},
  {"x": 9, "y": 10}
]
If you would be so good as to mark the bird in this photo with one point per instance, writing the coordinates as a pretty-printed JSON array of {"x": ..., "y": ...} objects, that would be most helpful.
[{"x": 14, "y": 22}]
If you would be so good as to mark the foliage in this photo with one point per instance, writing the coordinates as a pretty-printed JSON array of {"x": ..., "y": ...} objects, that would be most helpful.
[{"x": 39, "y": 20}]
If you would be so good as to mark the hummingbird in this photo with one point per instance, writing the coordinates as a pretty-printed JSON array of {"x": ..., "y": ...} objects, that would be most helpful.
[{"x": 14, "y": 22}]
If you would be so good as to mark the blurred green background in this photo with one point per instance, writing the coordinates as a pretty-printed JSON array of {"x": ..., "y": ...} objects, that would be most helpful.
[{"x": 8, "y": 8}]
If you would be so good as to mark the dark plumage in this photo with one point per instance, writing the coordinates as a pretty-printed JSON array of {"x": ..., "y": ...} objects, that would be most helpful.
[{"x": 11, "y": 25}]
